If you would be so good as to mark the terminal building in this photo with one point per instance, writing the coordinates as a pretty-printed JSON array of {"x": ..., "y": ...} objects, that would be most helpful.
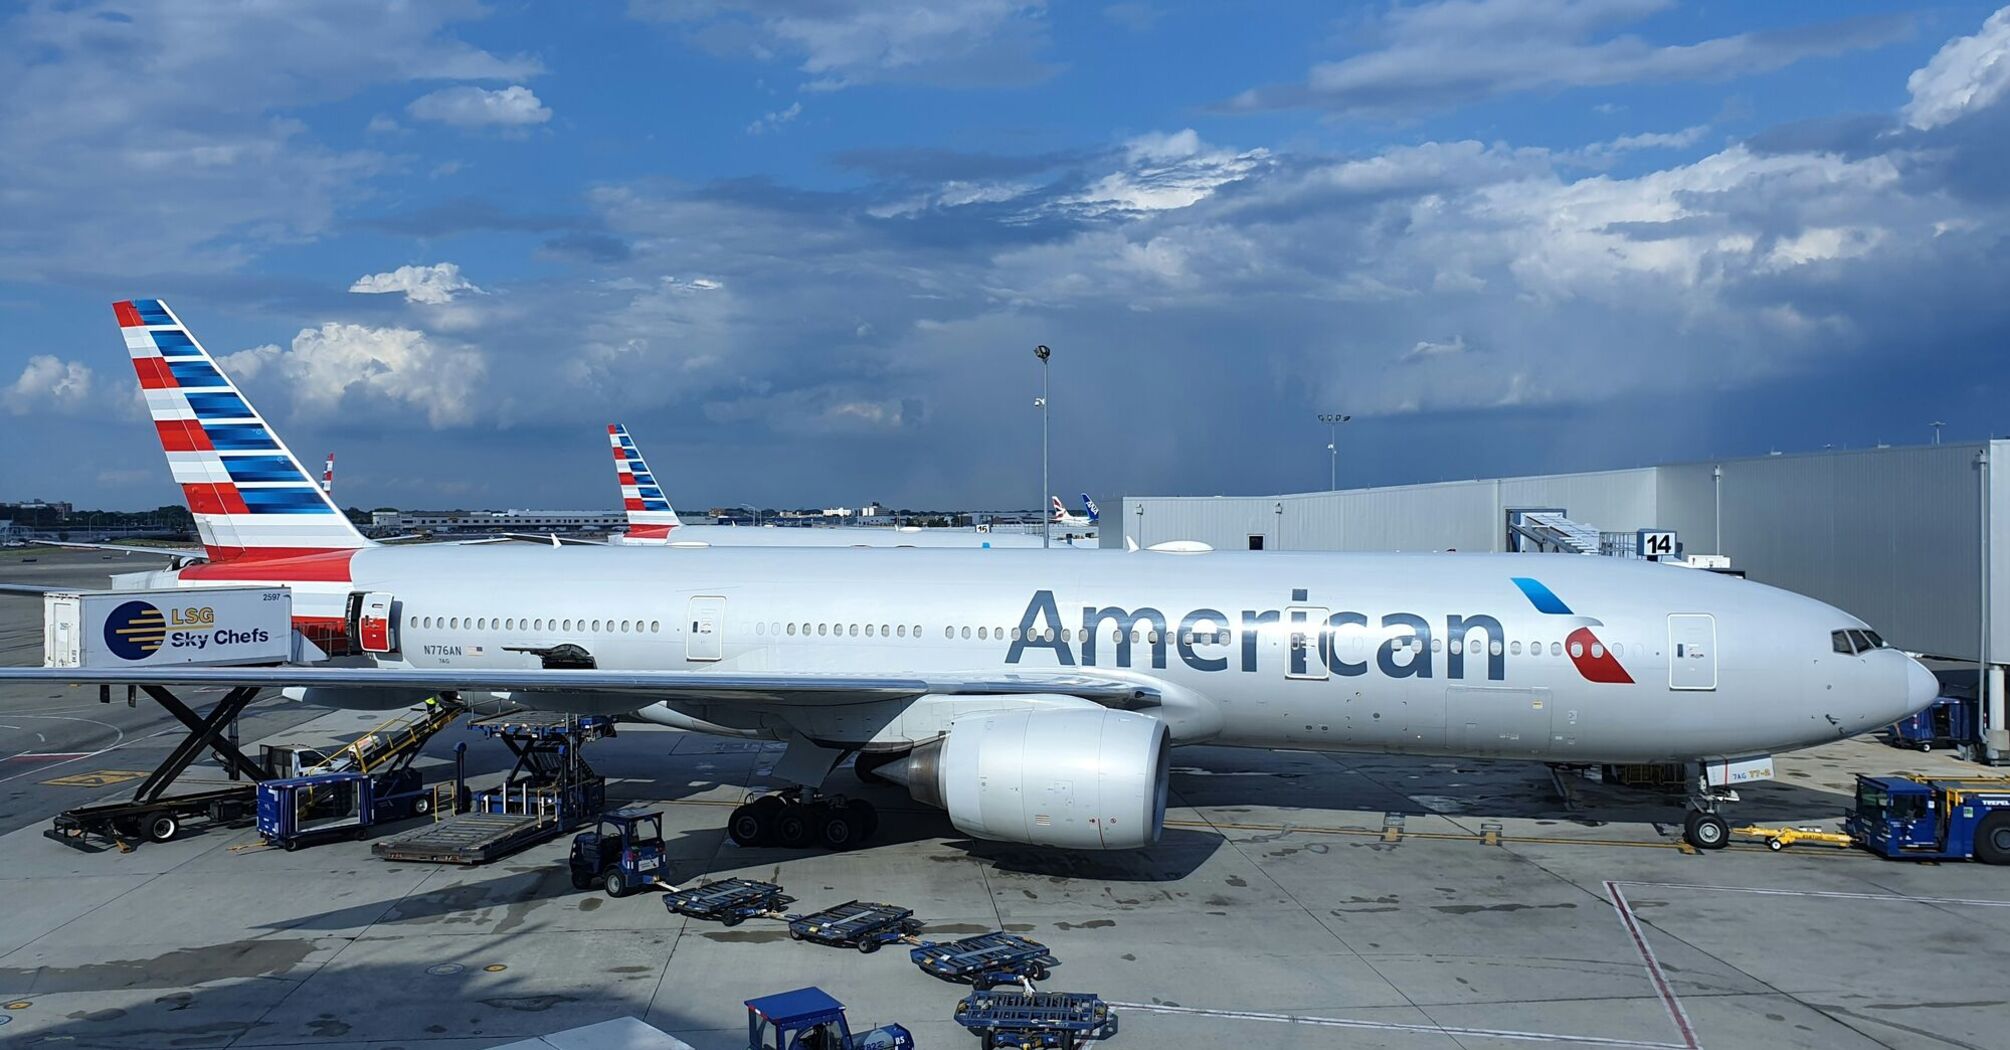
[{"x": 1910, "y": 539}]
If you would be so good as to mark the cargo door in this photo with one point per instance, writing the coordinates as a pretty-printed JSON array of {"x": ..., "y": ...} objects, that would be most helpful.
[
  {"x": 373, "y": 618},
  {"x": 1511, "y": 723},
  {"x": 1692, "y": 651},
  {"x": 1304, "y": 646},
  {"x": 707, "y": 640}
]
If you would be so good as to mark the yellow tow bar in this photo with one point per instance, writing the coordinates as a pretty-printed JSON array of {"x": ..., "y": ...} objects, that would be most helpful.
[{"x": 1778, "y": 839}]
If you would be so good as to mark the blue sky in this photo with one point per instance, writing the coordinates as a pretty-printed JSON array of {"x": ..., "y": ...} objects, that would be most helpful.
[{"x": 804, "y": 248}]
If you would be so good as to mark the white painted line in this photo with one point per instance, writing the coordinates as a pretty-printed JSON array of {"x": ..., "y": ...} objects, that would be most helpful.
[
  {"x": 1895, "y": 898},
  {"x": 1654, "y": 974},
  {"x": 1391, "y": 1026}
]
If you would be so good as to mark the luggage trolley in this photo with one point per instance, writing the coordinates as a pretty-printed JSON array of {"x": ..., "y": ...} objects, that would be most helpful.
[
  {"x": 1049, "y": 1020},
  {"x": 728, "y": 901},
  {"x": 986, "y": 959},
  {"x": 856, "y": 924}
]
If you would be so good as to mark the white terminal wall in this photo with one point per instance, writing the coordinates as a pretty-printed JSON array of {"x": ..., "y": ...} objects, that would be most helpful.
[{"x": 1890, "y": 534}]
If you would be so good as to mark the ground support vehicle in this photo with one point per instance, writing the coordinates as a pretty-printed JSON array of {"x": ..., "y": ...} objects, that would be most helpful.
[
  {"x": 623, "y": 853},
  {"x": 986, "y": 959},
  {"x": 856, "y": 924},
  {"x": 728, "y": 901},
  {"x": 1017, "y": 1019},
  {"x": 1927, "y": 818},
  {"x": 809, "y": 1019}
]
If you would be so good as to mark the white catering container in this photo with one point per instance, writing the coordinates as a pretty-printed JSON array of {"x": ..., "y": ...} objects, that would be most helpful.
[{"x": 173, "y": 626}]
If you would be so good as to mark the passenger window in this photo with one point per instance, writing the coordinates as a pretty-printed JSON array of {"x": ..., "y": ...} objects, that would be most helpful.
[
  {"x": 822, "y": 629},
  {"x": 1556, "y": 648},
  {"x": 1619, "y": 648},
  {"x": 760, "y": 628},
  {"x": 1514, "y": 649},
  {"x": 949, "y": 632},
  {"x": 966, "y": 634},
  {"x": 454, "y": 623},
  {"x": 1597, "y": 651},
  {"x": 884, "y": 631},
  {"x": 854, "y": 630},
  {"x": 917, "y": 630},
  {"x": 1473, "y": 647},
  {"x": 1494, "y": 647},
  {"x": 868, "y": 630},
  {"x": 792, "y": 629},
  {"x": 902, "y": 629},
  {"x": 1576, "y": 650},
  {"x": 983, "y": 634}
]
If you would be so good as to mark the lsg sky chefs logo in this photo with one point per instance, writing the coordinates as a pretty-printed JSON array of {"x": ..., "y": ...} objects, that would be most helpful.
[{"x": 137, "y": 630}]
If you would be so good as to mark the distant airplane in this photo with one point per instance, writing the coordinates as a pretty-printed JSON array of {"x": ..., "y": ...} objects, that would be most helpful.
[
  {"x": 1035, "y": 700},
  {"x": 1060, "y": 515},
  {"x": 328, "y": 475},
  {"x": 653, "y": 522}
]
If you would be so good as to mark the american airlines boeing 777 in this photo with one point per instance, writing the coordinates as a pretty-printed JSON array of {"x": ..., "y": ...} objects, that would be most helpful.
[{"x": 1034, "y": 699}]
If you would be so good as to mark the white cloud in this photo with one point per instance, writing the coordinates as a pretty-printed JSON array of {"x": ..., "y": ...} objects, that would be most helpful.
[
  {"x": 467, "y": 106},
  {"x": 1437, "y": 348},
  {"x": 49, "y": 384},
  {"x": 163, "y": 133},
  {"x": 844, "y": 42},
  {"x": 387, "y": 369},
  {"x": 1433, "y": 56},
  {"x": 432, "y": 285},
  {"x": 1168, "y": 171},
  {"x": 771, "y": 121},
  {"x": 1967, "y": 74}
]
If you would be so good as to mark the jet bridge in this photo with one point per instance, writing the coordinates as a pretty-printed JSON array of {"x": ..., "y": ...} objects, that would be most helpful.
[{"x": 1549, "y": 530}]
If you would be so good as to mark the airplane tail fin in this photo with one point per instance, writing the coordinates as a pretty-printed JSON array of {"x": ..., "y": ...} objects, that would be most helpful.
[
  {"x": 1060, "y": 512},
  {"x": 250, "y": 497},
  {"x": 1090, "y": 505},
  {"x": 328, "y": 475},
  {"x": 650, "y": 516}
]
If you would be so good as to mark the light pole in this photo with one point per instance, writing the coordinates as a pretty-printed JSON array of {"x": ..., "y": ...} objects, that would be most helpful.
[
  {"x": 1333, "y": 421},
  {"x": 1936, "y": 425},
  {"x": 1046, "y": 373}
]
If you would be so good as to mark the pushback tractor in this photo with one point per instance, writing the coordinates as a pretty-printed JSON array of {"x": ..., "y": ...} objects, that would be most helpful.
[{"x": 1925, "y": 818}]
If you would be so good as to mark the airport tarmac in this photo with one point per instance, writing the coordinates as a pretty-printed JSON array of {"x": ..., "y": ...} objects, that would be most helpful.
[{"x": 1297, "y": 900}]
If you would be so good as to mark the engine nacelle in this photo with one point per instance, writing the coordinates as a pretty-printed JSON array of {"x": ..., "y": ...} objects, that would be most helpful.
[{"x": 1083, "y": 779}]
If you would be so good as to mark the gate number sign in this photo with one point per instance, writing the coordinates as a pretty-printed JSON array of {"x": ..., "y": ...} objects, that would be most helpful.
[{"x": 1656, "y": 543}]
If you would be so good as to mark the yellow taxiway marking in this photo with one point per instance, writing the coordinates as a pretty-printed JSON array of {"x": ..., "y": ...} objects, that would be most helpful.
[{"x": 96, "y": 779}]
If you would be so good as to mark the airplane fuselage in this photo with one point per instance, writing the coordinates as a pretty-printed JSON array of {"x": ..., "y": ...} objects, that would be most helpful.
[{"x": 1556, "y": 658}]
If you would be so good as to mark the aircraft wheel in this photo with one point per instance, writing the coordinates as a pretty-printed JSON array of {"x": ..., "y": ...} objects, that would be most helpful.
[
  {"x": 1706, "y": 830},
  {"x": 749, "y": 825},
  {"x": 162, "y": 827},
  {"x": 792, "y": 827},
  {"x": 840, "y": 829},
  {"x": 1992, "y": 839},
  {"x": 867, "y": 816}
]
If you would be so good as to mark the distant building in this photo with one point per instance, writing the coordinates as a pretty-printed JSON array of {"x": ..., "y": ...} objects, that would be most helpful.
[{"x": 499, "y": 520}]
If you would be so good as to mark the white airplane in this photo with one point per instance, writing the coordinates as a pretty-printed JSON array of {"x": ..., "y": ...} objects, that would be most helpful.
[
  {"x": 653, "y": 523},
  {"x": 1036, "y": 701},
  {"x": 1059, "y": 514}
]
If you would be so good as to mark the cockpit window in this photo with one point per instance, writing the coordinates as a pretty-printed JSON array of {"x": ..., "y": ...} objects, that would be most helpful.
[
  {"x": 1875, "y": 639},
  {"x": 1853, "y": 641},
  {"x": 1842, "y": 642}
]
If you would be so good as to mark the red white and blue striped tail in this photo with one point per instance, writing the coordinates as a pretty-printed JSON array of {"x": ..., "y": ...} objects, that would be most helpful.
[
  {"x": 649, "y": 513},
  {"x": 251, "y": 498}
]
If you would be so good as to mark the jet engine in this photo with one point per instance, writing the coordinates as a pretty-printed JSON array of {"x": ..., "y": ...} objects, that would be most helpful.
[{"x": 1077, "y": 779}]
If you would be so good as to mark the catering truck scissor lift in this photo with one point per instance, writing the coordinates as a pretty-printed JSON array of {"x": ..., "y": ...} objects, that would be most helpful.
[
  {"x": 549, "y": 791},
  {"x": 1933, "y": 818},
  {"x": 175, "y": 627}
]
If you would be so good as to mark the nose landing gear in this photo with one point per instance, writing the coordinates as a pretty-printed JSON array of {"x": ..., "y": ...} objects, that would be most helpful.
[
  {"x": 797, "y": 818},
  {"x": 1701, "y": 826}
]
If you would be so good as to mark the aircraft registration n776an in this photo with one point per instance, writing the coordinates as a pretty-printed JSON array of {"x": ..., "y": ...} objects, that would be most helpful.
[{"x": 1033, "y": 699}]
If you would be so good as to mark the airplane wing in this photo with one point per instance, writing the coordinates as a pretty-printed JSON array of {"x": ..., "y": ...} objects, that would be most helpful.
[
  {"x": 185, "y": 553},
  {"x": 645, "y": 686},
  {"x": 553, "y": 539}
]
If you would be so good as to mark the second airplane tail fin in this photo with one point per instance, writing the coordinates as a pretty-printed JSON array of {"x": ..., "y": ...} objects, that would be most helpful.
[
  {"x": 1090, "y": 506},
  {"x": 650, "y": 516}
]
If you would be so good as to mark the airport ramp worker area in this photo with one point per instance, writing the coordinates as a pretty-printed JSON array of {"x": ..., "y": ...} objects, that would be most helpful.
[{"x": 1295, "y": 900}]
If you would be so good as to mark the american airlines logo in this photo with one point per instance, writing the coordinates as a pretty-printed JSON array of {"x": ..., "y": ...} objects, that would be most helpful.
[{"x": 1209, "y": 640}]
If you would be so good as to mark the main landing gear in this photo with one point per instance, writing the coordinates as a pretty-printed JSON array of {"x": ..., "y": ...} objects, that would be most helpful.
[{"x": 797, "y": 818}]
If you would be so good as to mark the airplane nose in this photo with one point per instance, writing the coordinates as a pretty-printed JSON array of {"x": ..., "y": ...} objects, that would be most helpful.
[{"x": 1921, "y": 688}]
